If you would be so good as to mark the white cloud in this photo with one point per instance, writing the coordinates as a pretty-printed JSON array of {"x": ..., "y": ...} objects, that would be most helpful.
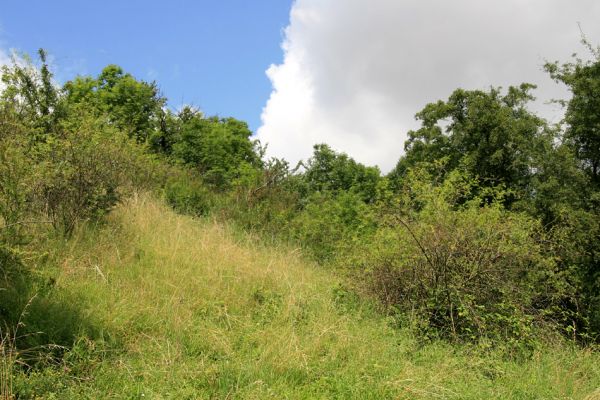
[{"x": 356, "y": 71}]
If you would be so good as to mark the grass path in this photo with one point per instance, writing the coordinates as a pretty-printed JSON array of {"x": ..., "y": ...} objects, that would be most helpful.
[{"x": 178, "y": 308}]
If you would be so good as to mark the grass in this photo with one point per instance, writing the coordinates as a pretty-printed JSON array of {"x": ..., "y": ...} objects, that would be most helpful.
[
  {"x": 6, "y": 367},
  {"x": 171, "y": 307}
]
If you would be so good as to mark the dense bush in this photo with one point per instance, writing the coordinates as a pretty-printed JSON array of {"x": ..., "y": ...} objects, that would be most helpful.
[
  {"x": 79, "y": 174},
  {"x": 15, "y": 177},
  {"x": 188, "y": 195},
  {"x": 62, "y": 162},
  {"x": 330, "y": 226},
  {"x": 461, "y": 270},
  {"x": 265, "y": 202}
]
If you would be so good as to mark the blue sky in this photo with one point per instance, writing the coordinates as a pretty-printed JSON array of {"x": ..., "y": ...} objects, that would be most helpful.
[{"x": 212, "y": 54}]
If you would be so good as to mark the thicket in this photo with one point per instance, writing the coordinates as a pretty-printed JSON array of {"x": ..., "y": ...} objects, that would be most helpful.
[{"x": 488, "y": 229}]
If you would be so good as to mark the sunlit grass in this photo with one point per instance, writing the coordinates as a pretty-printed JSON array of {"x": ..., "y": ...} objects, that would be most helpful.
[{"x": 183, "y": 308}]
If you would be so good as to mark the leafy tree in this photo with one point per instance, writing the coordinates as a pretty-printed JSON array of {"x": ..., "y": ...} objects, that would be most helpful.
[
  {"x": 164, "y": 137},
  {"x": 327, "y": 170},
  {"x": 132, "y": 106},
  {"x": 220, "y": 149},
  {"x": 492, "y": 134},
  {"x": 583, "y": 109},
  {"x": 579, "y": 220},
  {"x": 31, "y": 92}
]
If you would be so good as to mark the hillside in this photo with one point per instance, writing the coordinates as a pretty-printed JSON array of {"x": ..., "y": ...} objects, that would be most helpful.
[{"x": 169, "y": 306}]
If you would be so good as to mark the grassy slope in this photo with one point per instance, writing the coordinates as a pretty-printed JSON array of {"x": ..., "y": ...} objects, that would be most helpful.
[{"x": 183, "y": 308}]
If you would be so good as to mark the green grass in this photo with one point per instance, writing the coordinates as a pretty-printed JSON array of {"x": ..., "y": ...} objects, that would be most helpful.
[{"x": 171, "y": 307}]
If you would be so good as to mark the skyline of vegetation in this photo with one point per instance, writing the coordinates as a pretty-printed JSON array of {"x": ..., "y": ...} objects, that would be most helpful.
[{"x": 484, "y": 238}]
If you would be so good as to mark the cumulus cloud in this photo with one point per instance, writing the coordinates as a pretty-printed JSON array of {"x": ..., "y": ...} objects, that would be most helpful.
[{"x": 356, "y": 71}]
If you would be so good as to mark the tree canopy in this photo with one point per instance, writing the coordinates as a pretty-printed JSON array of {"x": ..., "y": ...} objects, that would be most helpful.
[
  {"x": 133, "y": 106},
  {"x": 582, "y": 115},
  {"x": 490, "y": 134}
]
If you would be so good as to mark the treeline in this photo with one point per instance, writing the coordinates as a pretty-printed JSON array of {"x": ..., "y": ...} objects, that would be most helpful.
[{"x": 487, "y": 230}]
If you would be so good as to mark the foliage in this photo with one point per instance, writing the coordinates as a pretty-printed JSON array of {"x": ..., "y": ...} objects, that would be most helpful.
[
  {"x": 330, "y": 226},
  {"x": 167, "y": 132},
  {"x": 463, "y": 270},
  {"x": 335, "y": 172},
  {"x": 492, "y": 134},
  {"x": 267, "y": 202},
  {"x": 188, "y": 196},
  {"x": 80, "y": 173},
  {"x": 582, "y": 78},
  {"x": 31, "y": 92},
  {"x": 132, "y": 106},
  {"x": 15, "y": 181},
  {"x": 579, "y": 218},
  {"x": 62, "y": 163},
  {"x": 220, "y": 150}
]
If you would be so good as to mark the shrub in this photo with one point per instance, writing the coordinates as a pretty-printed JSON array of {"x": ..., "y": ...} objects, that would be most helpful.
[
  {"x": 463, "y": 271},
  {"x": 265, "y": 201},
  {"x": 79, "y": 172},
  {"x": 189, "y": 196},
  {"x": 58, "y": 159},
  {"x": 15, "y": 184},
  {"x": 330, "y": 226}
]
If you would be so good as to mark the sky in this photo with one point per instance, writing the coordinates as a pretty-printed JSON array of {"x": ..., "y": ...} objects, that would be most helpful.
[
  {"x": 350, "y": 73},
  {"x": 211, "y": 54}
]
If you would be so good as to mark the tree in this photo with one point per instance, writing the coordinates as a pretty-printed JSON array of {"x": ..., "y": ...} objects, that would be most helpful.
[
  {"x": 491, "y": 134},
  {"x": 327, "y": 170},
  {"x": 581, "y": 221},
  {"x": 220, "y": 149},
  {"x": 582, "y": 115},
  {"x": 132, "y": 106},
  {"x": 32, "y": 93}
]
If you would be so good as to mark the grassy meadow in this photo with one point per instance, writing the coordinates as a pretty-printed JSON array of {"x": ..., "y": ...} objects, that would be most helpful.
[{"x": 166, "y": 306}]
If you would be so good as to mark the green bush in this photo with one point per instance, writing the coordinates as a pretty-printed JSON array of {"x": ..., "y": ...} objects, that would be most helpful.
[
  {"x": 462, "y": 271},
  {"x": 265, "y": 201},
  {"x": 15, "y": 178},
  {"x": 330, "y": 226},
  {"x": 60, "y": 162},
  {"x": 80, "y": 172},
  {"x": 188, "y": 196}
]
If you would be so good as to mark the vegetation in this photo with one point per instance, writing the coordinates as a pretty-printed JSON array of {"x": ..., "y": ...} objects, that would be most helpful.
[
  {"x": 186, "y": 308},
  {"x": 471, "y": 270}
]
